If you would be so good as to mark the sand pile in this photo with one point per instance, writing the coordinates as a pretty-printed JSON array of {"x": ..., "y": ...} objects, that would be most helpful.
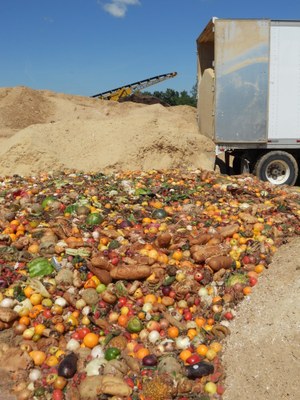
[{"x": 42, "y": 130}]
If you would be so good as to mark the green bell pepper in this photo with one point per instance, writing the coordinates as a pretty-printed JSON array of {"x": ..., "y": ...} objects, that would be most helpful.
[
  {"x": 112, "y": 353},
  {"x": 39, "y": 267}
]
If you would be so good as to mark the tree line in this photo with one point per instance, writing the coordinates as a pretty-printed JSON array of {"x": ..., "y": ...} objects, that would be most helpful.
[{"x": 175, "y": 98}]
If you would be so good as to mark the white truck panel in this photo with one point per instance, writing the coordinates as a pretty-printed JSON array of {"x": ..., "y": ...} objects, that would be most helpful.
[{"x": 284, "y": 82}]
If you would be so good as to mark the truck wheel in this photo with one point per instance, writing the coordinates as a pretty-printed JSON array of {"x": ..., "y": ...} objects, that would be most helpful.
[{"x": 277, "y": 167}]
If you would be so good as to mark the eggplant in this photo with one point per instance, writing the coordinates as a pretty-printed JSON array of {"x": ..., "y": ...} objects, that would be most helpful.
[
  {"x": 68, "y": 366},
  {"x": 150, "y": 360},
  {"x": 199, "y": 369}
]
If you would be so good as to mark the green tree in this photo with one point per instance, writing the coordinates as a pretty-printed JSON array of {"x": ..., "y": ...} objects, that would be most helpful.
[{"x": 175, "y": 98}]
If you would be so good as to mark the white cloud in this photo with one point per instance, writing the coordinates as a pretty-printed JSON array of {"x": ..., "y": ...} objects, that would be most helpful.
[{"x": 118, "y": 8}]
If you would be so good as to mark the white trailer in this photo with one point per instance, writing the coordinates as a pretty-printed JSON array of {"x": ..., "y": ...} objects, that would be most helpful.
[{"x": 249, "y": 95}]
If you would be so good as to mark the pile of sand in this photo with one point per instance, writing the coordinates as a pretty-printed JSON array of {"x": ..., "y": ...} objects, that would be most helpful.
[{"x": 43, "y": 130}]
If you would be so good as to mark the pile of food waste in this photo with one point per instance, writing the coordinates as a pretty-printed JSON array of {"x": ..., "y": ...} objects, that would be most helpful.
[{"x": 123, "y": 286}]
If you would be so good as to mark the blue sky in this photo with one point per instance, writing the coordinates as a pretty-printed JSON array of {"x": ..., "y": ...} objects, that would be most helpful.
[{"x": 85, "y": 47}]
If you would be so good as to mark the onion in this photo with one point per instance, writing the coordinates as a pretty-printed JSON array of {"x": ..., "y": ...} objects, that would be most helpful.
[
  {"x": 97, "y": 352},
  {"x": 8, "y": 303},
  {"x": 86, "y": 310},
  {"x": 164, "y": 323},
  {"x": 202, "y": 292},
  {"x": 35, "y": 375},
  {"x": 60, "y": 301},
  {"x": 147, "y": 307},
  {"x": 19, "y": 329},
  {"x": 143, "y": 334},
  {"x": 73, "y": 345},
  {"x": 153, "y": 336},
  {"x": 182, "y": 342}
]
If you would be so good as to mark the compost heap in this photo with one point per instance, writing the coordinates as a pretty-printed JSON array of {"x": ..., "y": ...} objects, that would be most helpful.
[
  {"x": 47, "y": 131},
  {"x": 123, "y": 285}
]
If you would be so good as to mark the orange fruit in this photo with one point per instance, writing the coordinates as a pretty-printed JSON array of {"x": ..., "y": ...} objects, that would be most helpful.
[
  {"x": 39, "y": 329},
  {"x": 185, "y": 354},
  {"x": 35, "y": 299},
  {"x": 202, "y": 349},
  {"x": 200, "y": 321},
  {"x": 141, "y": 353},
  {"x": 24, "y": 320},
  {"x": 150, "y": 298},
  {"x": 177, "y": 255},
  {"x": 122, "y": 320},
  {"x": 259, "y": 268},
  {"x": 173, "y": 332},
  {"x": 247, "y": 290},
  {"x": 91, "y": 340}
]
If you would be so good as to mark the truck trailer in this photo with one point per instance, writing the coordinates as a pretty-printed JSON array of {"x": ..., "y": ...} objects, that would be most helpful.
[{"x": 249, "y": 96}]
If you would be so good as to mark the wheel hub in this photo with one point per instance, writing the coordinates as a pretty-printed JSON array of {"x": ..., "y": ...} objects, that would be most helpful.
[{"x": 278, "y": 172}]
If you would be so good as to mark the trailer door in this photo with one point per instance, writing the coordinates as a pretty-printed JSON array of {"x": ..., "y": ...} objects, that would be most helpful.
[
  {"x": 241, "y": 79},
  {"x": 284, "y": 97}
]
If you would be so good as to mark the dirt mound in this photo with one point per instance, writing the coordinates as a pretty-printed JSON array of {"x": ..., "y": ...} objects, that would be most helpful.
[
  {"x": 42, "y": 130},
  {"x": 21, "y": 107}
]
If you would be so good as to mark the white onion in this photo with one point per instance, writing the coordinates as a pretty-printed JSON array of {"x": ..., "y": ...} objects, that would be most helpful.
[
  {"x": 60, "y": 301},
  {"x": 35, "y": 375},
  {"x": 73, "y": 345},
  {"x": 97, "y": 352},
  {"x": 202, "y": 292},
  {"x": 143, "y": 334},
  {"x": 96, "y": 235},
  {"x": 147, "y": 307},
  {"x": 154, "y": 336},
  {"x": 182, "y": 342},
  {"x": 8, "y": 303},
  {"x": 86, "y": 310}
]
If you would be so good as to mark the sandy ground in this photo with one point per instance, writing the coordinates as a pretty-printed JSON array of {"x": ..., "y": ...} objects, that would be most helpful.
[
  {"x": 46, "y": 131},
  {"x": 262, "y": 354}
]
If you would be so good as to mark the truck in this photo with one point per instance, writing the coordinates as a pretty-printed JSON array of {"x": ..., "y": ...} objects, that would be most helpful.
[{"x": 248, "y": 90}]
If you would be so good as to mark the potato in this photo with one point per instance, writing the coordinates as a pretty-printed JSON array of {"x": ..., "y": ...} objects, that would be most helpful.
[
  {"x": 128, "y": 272},
  {"x": 92, "y": 386},
  {"x": 164, "y": 239},
  {"x": 101, "y": 274},
  {"x": 218, "y": 262},
  {"x": 8, "y": 315},
  {"x": 201, "y": 253},
  {"x": 101, "y": 262},
  {"x": 228, "y": 231},
  {"x": 201, "y": 239}
]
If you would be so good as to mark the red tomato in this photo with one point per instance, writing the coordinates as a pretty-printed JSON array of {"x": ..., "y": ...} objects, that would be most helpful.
[
  {"x": 47, "y": 314},
  {"x": 76, "y": 336},
  {"x": 252, "y": 281},
  {"x": 82, "y": 332},
  {"x": 198, "y": 276},
  {"x": 122, "y": 301},
  {"x": 90, "y": 275},
  {"x": 193, "y": 359},
  {"x": 57, "y": 394},
  {"x": 228, "y": 315},
  {"x": 188, "y": 316}
]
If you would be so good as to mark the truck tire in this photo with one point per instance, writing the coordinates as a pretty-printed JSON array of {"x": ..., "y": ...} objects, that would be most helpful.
[{"x": 277, "y": 167}]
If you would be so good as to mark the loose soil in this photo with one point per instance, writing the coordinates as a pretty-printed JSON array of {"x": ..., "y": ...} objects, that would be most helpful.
[{"x": 42, "y": 130}]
